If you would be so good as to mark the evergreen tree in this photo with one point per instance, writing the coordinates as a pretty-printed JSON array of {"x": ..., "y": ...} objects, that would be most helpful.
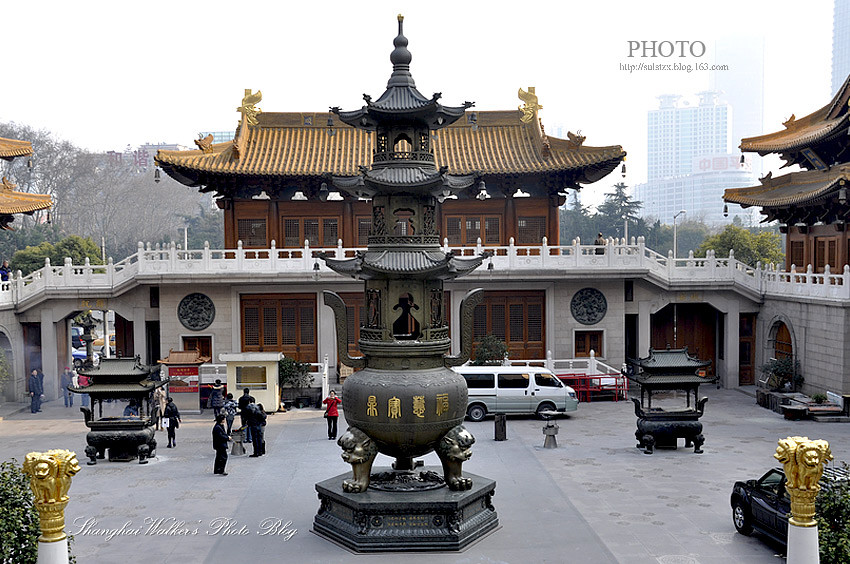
[{"x": 618, "y": 208}]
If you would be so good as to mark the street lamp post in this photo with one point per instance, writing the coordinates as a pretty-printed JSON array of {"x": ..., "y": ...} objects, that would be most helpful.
[{"x": 675, "y": 240}]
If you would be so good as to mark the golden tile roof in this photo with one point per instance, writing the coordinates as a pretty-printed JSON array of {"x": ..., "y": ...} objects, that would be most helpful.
[
  {"x": 12, "y": 201},
  {"x": 11, "y": 148},
  {"x": 806, "y": 131},
  {"x": 791, "y": 189},
  {"x": 282, "y": 145}
]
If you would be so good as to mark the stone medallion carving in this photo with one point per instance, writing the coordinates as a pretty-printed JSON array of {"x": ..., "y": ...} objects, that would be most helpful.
[
  {"x": 196, "y": 311},
  {"x": 588, "y": 306}
]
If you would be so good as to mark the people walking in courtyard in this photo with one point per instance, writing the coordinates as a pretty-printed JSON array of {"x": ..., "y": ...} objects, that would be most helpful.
[
  {"x": 83, "y": 381},
  {"x": 229, "y": 412},
  {"x": 171, "y": 421},
  {"x": 35, "y": 388},
  {"x": 220, "y": 438},
  {"x": 244, "y": 401},
  {"x": 159, "y": 406},
  {"x": 255, "y": 418},
  {"x": 65, "y": 381},
  {"x": 217, "y": 397},
  {"x": 332, "y": 413}
]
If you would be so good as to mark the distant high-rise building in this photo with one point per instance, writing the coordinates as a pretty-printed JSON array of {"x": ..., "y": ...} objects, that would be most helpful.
[
  {"x": 689, "y": 158},
  {"x": 677, "y": 132},
  {"x": 840, "y": 44},
  {"x": 740, "y": 82}
]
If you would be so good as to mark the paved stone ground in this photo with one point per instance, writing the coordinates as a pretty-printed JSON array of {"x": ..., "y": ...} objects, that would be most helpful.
[{"x": 596, "y": 498}]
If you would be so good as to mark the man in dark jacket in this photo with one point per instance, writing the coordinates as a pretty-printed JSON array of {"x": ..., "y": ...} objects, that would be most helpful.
[
  {"x": 34, "y": 385},
  {"x": 173, "y": 415},
  {"x": 255, "y": 418},
  {"x": 244, "y": 401},
  {"x": 220, "y": 438}
]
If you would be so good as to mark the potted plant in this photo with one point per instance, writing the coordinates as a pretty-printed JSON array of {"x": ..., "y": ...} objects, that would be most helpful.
[
  {"x": 490, "y": 350},
  {"x": 819, "y": 398},
  {"x": 294, "y": 375},
  {"x": 782, "y": 374}
]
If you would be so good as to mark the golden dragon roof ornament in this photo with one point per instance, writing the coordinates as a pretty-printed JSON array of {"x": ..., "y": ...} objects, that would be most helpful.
[
  {"x": 530, "y": 105},
  {"x": 248, "y": 108}
]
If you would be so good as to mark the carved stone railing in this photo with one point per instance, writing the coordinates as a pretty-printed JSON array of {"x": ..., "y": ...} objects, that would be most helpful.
[{"x": 633, "y": 260}]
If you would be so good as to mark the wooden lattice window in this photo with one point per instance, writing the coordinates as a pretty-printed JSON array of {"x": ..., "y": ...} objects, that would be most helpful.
[
  {"x": 280, "y": 322},
  {"x": 797, "y": 248},
  {"x": 252, "y": 232},
  {"x": 364, "y": 226},
  {"x": 467, "y": 229},
  {"x": 531, "y": 230},
  {"x": 586, "y": 341},
  {"x": 317, "y": 231}
]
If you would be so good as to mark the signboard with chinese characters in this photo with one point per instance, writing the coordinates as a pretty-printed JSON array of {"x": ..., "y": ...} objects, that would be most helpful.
[
  {"x": 720, "y": 162},
  {"x": 100, "y": 304},
  {"x": 183, "y": 387}
]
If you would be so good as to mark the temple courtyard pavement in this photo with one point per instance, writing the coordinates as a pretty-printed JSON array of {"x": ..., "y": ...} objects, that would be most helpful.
[{"x": 596, "y": 498}]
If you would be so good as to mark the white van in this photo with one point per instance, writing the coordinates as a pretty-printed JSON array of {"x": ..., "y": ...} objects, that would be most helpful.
[{"x": 514, "y": 389}]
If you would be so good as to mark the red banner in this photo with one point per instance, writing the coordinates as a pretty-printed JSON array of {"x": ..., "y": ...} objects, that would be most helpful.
[
  {"x": 182, "y": 371},
  {"x": 182, "y": 389}
]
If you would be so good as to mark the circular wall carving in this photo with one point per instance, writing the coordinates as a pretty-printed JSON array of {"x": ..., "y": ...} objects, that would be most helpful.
[
  {"x": 588, "y": 306},
  {"x": 196, "y": 311}
]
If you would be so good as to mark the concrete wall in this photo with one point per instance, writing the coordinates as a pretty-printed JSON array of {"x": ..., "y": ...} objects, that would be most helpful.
[{"x": 819, "y": 334}]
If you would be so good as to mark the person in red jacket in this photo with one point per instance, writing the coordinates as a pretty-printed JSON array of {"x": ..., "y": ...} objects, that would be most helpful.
[{"x": 332, "y": 413}]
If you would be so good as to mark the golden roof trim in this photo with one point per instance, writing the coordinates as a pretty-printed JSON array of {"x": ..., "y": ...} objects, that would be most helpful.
[
  {"x": 789, "y": 189},
  {"x": 297, "y": 144},
  {"x": 12, "y": 202},
  {"x": 11, "y": 148}
]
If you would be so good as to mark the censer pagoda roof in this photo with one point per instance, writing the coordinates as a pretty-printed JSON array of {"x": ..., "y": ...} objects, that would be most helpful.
[
  {"x": 383, "y": 263},
  {"x": 292, "y": 146}
]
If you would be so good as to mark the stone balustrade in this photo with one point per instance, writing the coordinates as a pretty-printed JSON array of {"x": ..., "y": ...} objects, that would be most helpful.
[{"x": 616, "y": 258}]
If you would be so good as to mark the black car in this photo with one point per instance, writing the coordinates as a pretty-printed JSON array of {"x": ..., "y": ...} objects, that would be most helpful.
[{"x": 764, "y": 504}]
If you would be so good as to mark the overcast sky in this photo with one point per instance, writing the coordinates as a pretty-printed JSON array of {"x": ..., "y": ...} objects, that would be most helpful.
[{"x": 105, "y": 75}]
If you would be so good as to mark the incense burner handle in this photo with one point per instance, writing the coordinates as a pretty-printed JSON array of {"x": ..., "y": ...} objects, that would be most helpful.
[
  {"x": 467, "y": 309},
  {"x": 333, "y": 301}
]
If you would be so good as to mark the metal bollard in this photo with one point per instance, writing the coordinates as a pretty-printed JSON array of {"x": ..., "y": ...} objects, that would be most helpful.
[
  {"x": 549, "y": 431},
  {"x": 501, "y": 427},
  {"x": 238, "y": 448}
]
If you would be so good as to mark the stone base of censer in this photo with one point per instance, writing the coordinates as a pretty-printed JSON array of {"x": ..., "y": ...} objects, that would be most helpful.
[{"x": 405, "y": 511}]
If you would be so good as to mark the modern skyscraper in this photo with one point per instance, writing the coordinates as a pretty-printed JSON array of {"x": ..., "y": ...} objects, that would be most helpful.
[
  {"x": 840, "y": 44},
  {"x": 690, "y": 161}
]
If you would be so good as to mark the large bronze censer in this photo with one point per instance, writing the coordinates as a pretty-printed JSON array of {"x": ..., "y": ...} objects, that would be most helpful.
[{"x": 405, "y": 401}]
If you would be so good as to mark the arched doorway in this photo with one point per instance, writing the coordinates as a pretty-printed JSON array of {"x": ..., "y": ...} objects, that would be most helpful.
[{"x": 783, "y": 346}]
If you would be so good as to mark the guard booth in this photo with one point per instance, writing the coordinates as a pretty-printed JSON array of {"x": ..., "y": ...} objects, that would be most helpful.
[
  {"x": 257, "y": 371},
  {"x": 183, "y": 376}
]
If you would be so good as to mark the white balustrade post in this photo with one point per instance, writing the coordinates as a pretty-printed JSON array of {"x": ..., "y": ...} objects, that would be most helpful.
[
  {"x": 340, "y": 251},
  {"x": 511, "y": 253},
  {"x": 479, "y": 248},
  {"x": 205, "y": 257},
  {"x": 732, "y": 263},
  {"x": 172, "y": 257},
  {"x": 711, "y": 263},
  {"x": 550, "y": 362},
  {"x": 110, "y": 272},
  {"x": 140, "y": 257},
  {"x": 308, "y": 260},
  {"x": 325, "y": 383},
  {"x": 87, "y": 271},
  {"x": 810, "y": 278},
  {"x": 240, "y": 256},
  {"x": 67, "y": 271},
  {"x": 48, "y": 272},
  {"x": 641, "y": 241},
  {"x": 670, "y": 264},
  {"x": 845, "y": 282},
  {"x": 273, "y": 256},
  {"x": 445, "y": 244},
  {"x": 610, "y": 252},
  {"x": 544, "y": 251},
  {"x": 591, "y": 364}
]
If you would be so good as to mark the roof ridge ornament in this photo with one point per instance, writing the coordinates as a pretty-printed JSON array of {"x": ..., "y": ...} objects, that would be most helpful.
[
  {"x": 530, "y": 105},
  {"x": 248, "y": 108}
]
